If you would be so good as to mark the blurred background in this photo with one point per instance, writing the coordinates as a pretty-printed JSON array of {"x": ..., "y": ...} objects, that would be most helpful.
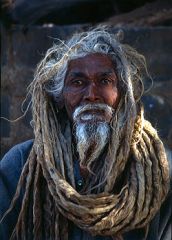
[{"x": 29, "y": 28}]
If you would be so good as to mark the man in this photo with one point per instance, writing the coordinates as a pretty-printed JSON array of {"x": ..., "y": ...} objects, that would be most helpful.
[{"x": 96, "y": 168}]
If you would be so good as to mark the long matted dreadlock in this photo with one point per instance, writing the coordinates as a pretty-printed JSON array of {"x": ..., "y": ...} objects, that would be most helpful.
[{"x": 135, "y": 152}]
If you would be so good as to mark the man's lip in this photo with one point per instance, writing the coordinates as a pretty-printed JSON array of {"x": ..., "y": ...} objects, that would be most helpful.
[
  {"x": 93, "y": 112},
  {"x": 91, "y": 117}
]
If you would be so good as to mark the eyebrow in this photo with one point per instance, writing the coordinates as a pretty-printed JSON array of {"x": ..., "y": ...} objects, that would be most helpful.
[
  {"x": 107, "y": 73},
  {"x": 75, "y": 74}
]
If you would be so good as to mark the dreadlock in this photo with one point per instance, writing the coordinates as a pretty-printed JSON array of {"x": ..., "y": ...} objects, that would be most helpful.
[{"x": 135, "y": 153}]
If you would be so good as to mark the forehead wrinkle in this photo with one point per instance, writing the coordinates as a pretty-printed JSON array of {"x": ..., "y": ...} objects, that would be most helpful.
[
  {"x": 104, "y": 73},
  {"x": 87, "y": 73}
]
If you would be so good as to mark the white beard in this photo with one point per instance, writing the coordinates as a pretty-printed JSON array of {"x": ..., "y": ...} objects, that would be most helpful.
[{"x": 91, "y": 135}]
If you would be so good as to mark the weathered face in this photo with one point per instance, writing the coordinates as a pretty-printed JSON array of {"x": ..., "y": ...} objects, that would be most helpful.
[{"x": 90, "y": 79}]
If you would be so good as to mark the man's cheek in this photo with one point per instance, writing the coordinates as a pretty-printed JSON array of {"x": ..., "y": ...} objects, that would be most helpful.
[
  {"x": 70, "y": 108},
  {"x": 114, "y": 100}
]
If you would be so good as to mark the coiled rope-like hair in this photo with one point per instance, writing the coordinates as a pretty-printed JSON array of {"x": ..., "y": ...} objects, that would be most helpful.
[{"x": 135, "y": 153}]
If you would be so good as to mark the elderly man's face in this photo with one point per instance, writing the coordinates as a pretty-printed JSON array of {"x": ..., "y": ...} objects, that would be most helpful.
[
  {"x": 89, "y": 80},
  {"x": 91, "y": 95}
]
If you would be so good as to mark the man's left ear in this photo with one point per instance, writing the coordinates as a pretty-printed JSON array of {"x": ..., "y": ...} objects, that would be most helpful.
[{"x": 59, "y": 101}]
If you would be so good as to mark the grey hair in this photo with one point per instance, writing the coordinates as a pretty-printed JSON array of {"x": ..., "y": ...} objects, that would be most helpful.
[
  {"x": 129, "y": 66},
  {"x": 127, "y": 61},
  {"x": 50, "y": 197}
]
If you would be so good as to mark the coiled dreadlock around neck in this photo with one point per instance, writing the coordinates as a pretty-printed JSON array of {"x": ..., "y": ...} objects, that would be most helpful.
[{"x": 134, "y": 152}]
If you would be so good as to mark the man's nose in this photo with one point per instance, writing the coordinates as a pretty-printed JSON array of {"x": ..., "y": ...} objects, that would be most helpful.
[{"x": 92, "y": 94}]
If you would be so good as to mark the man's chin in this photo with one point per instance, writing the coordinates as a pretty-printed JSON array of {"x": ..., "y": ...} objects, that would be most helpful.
[{"x": 92, "y": 137}]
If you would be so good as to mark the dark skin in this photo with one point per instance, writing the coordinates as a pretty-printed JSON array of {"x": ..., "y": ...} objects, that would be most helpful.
[{"x": 90, "y": 79}]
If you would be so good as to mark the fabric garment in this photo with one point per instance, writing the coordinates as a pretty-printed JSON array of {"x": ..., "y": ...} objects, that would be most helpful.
[{"x": 10, "y": 170}]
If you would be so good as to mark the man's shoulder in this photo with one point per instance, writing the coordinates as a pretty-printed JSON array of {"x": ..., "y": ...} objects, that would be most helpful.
[
  {"x": 11, "y": 167},
  {"x": 10, "y": 170},
  {"x": 16, "y": 156}
]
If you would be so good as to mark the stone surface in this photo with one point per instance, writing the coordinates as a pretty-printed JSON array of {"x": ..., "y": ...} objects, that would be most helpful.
[
  {"x": 22, "y": 50},
  {"x": 58, "y": 12}
]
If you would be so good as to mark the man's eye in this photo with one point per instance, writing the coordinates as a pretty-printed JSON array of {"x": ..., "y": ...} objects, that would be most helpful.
[
  {"x": 77, "y": 82},
  {"x": 106, "y": 81}
]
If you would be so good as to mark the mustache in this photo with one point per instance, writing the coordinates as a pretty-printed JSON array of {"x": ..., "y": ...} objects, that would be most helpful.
[{"x": 96, "y": 106}]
